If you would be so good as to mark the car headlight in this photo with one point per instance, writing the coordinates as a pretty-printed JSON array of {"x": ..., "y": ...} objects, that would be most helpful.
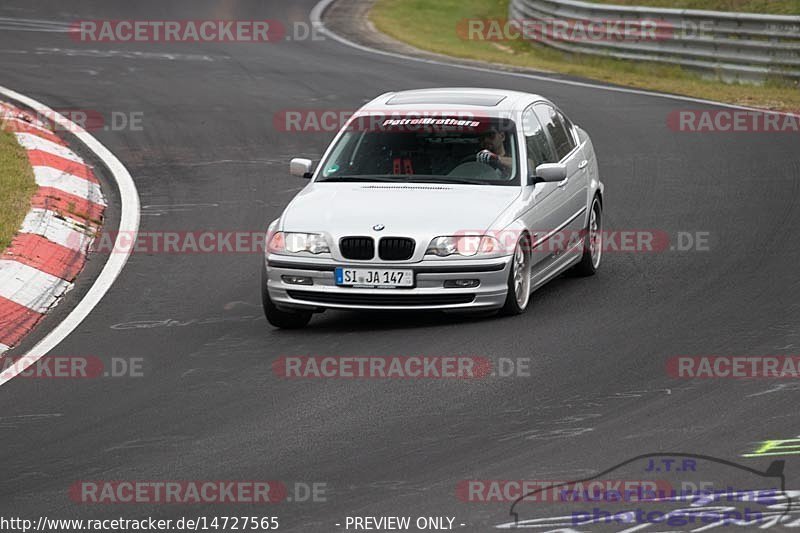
[
  {"x": 463, "y": 245},
  {"x": 286, "y": 242}
]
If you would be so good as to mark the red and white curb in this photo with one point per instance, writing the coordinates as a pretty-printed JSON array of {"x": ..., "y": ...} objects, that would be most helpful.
[
  {"x": 49, "y": 251},
  {"x": 129, "y": 218}
]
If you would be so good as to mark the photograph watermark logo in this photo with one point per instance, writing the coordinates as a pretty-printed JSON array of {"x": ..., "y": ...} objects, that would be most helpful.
[
  {"x": 732, "y": 121},
  {"x": 78, "y": 119},
  {"x": 382, "y": 367},
  {"x": 469, "y": 242},
  {"x": 564, "y": 30},
  {"x": 183, "y": 492},
  {"x": 193, "y": 31},
  {"x": 95, "y": 120},
  {"x": 180, "y": 242},
  {"x": 579, "y": 30},
  {"x": 550, "y": 491},
  {"x": 424, "y": 367},
  {"x": 707, "y": 492},
  {"x": 75, "y": 367},
  {"x": 734, "y": 367}
]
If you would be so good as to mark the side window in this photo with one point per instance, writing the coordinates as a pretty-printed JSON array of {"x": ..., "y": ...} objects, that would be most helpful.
[
  {"x": 539, "y": 148},
  {"x": 563, "y": 141},
  {"x": 568, "y": 126}
]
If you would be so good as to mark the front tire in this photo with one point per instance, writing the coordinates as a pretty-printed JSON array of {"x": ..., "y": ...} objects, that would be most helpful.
[
  {"x": 519, "y": 280},
  {"x": 278, "y": 317},
  {"x": 592, "y": 243}
]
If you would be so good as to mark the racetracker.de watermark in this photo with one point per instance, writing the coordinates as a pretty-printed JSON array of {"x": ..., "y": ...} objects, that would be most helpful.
[
  {"x": 192, "y": 31},
  {"x": 182, "y": 492},
  {"x": 547, "y": 491},
  {"x": 469, "y": 241},
  {"x": 578, "y": 30},
  {"x": 732, "y": 121},
  {"x": 399, "y": 367},
  {"x": 78, "y": 119},
  {"x": 180, "y": 242},
  {"x": 734, "y": 367},
  {"x": 620, "y": 240},
  {"x": 94, "y": 120},
  {"x": 74, "y": 367}
]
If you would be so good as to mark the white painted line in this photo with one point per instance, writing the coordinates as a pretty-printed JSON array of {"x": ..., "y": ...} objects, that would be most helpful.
[
  {"x": 128, "y": 226},
  {"x": 58, "y": 179},
  {"x": 316, "y": 20},
  {"x": 3, "y": 348},
  {"x": 123, "y": 54},
  {"x": 20, "y": 24},
  {"x": 30, "y": 287},
  {"x": 48, "y": 224},
  {"x": 29, "y": 141}
]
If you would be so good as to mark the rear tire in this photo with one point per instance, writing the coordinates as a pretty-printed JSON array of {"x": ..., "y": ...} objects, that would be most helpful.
[
  {"x": 592, "y": 242},
  {"x": 519, "y": 280},
  {"x": 278, "y": 317}
]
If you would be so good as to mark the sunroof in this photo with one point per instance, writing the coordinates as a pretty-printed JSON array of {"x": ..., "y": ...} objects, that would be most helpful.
[{"x": 477, "y": 99}]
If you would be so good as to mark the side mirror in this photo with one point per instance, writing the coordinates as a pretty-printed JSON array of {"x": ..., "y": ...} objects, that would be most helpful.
[
  {"x": 551, "y": 172},
  {"x": 301, "y": 167}
]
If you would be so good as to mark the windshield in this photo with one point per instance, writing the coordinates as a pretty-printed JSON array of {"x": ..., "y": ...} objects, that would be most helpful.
[{"x": 481, "y": 151}]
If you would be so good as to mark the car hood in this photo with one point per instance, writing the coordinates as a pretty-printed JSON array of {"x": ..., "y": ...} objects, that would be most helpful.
[{"x": 403, "y": 209}]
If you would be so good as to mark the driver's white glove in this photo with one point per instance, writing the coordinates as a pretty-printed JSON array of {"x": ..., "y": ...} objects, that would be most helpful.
[{"x": 488, "y": 158}]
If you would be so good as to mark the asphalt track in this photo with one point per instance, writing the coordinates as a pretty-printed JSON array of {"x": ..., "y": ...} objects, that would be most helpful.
[{"x": 209, "y": 406}]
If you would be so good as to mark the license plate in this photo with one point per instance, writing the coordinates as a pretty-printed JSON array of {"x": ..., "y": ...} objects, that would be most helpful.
[{"x": 371, "y": 277}]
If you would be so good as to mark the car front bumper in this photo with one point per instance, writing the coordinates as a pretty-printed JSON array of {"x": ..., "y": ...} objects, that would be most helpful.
[{"x": 428, "y": 293}]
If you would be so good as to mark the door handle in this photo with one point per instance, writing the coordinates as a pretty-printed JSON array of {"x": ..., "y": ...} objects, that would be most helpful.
[
  {"x": 562, "y": 183},
  {"x": 583, "y": 164}
]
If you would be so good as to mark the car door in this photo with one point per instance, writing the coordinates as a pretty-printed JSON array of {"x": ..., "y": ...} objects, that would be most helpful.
[
  {"x": 572, "y": 206},
  {"x": 543, "y": 201}
]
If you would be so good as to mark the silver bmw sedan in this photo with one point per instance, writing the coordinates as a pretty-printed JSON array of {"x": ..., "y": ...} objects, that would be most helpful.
[{"x": 454, "y": 199}]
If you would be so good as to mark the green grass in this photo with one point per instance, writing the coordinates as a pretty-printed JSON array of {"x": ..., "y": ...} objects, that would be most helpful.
[
  {"x": 433, "y": 26},
  {"x": 775, "y": 7},
  {"x": 16, "y": 186}
]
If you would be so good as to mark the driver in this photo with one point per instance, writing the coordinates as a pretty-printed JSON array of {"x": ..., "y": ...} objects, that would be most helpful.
[{"x": 493, "y": 150}]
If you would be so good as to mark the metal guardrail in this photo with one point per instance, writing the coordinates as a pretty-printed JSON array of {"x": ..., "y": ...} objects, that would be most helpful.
[{"x": 731, "y": 46}]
